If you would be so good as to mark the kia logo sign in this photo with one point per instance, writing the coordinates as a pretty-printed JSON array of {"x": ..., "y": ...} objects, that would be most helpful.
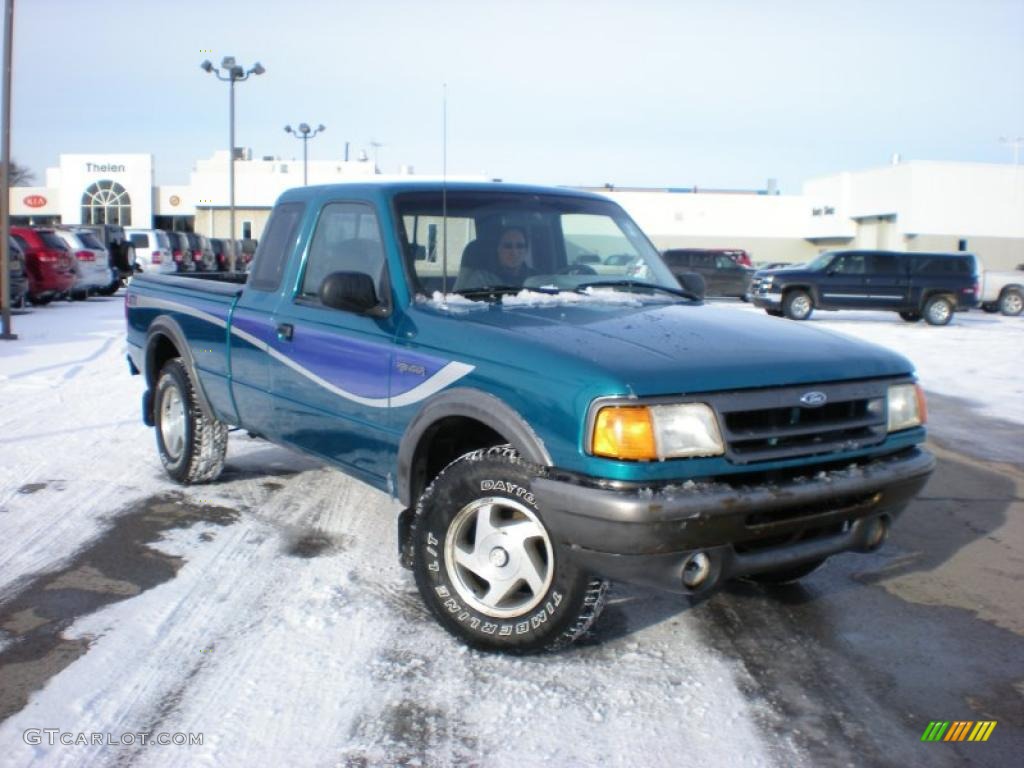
[
  {"x": 813, "y": 399},
  {"x": 35, "y": 201}
]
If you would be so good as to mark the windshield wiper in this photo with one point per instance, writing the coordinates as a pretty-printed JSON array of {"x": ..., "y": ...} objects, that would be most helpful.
[
  {"x": 502, "y": 290},
  {"x": 639, "y": 285}
]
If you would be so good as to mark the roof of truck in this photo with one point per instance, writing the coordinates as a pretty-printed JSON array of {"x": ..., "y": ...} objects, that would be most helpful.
[{"x": 395, "y": 187}]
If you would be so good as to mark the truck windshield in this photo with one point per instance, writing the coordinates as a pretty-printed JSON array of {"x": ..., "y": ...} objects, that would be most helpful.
[
  {"x": 820, "y": 261},
  {"x": 504, "y": 242}
]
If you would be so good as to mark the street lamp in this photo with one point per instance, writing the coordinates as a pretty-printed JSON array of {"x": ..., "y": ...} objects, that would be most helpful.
[
  {"x": 1016, "y": 142},
  {"x": 232, "y": 73},
  {"x": 305, "y": 133}
]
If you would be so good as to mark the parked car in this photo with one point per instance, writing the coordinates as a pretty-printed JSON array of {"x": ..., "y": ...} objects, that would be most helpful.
[
  {"x": 916, "y": 285},
  {"x": 122, "y": 253},
  {"x": 602, "y": 427},
  {"x": 50, "y": 266},
  {"x": 18, "y": 276},
  {"x": 722, "y": 272},
  {"x": 196, "y": 249},
  {"x": 92, "y": 242},
  {"x": 246, "y": 249},
  {"x": 223, "y": 253},
  {"x": 152, "y": 250},
  {"x": 180, "y": 252},
  {"x": 92, "y": 270},
  {"x": 209, "y": 258},
  {"x": 1002, "y": 292}
]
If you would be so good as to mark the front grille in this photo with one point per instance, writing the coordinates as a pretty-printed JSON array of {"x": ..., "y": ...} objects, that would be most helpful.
[{"x": 773, "y": 424}]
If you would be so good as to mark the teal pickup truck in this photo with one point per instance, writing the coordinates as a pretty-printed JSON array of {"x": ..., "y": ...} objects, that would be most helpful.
[{"x": 520, "y": 370}]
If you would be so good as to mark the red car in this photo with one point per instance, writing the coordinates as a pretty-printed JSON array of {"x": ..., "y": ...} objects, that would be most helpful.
[
  {"x": 740, "y": 256},
  {"x": 50, "y": 266}
]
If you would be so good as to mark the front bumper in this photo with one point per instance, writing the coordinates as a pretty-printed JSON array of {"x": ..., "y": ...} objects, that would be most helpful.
[
  {"x": 766, "y": 300},
  {"x": 645, "y": 535}
]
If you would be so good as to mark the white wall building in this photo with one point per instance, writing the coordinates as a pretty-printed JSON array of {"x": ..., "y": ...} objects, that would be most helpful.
[{"x": 912, "y": 206}]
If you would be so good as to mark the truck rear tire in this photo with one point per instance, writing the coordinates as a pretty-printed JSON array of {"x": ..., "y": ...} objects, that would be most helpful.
[
  {"x": 797, "y": 305},
  {"x": 486, "y": 565},
  {"x": 938, "y": 310},
  {"x": 1011, "y": 302},
  {"x": 191, "y": 445}
]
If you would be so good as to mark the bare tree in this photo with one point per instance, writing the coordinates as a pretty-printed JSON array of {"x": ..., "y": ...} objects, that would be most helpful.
[{"x": 20, "y": 175}]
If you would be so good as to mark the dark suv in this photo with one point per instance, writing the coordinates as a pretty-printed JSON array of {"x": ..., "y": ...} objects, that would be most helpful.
[
  {"x": 916, "y": 285},
  {"x": 119, "y": 247},
  {"x": 723, "y": 273}
]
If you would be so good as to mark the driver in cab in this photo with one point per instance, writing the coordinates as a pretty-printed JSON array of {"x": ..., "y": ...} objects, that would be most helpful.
[{"x": 509, "y": 267}]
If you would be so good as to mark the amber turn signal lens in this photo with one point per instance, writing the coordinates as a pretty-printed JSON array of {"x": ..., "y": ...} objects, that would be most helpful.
[
  {"x": 624, "y": 432},
  {"x": 922, "y": 405}
]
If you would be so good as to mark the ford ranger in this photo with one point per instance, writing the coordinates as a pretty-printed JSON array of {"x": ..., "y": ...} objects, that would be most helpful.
[{"x": 545, "y": 427}]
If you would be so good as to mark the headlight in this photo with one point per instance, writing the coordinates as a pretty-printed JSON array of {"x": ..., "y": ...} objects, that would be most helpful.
[
  {"x": 906, "y": 407},
  {"x": 656, "y": 432}
]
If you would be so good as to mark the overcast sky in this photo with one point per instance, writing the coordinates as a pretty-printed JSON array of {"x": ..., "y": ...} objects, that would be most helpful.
[{"x": 722, "y": 93}]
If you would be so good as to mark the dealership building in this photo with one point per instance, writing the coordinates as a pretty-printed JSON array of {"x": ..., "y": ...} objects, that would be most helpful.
[{"x": 906, "y": 206}]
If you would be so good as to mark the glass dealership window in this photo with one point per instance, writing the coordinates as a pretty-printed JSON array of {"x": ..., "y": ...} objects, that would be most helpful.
[{"x": 106, "y": 202}]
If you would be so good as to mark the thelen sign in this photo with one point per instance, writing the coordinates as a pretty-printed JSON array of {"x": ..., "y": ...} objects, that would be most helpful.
[{"x": 35, "y": 201}]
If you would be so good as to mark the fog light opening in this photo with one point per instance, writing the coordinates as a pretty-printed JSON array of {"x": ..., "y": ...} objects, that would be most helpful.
[
  {"x": 878, "y": 532},
  {"x": 696, "y": 570}
]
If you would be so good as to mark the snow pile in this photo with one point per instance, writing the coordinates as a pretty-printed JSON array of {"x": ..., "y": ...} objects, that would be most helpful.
[{"x": 458, "y": 304}]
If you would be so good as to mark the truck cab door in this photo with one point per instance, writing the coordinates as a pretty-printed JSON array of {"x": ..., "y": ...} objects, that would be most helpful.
[
  {"x": 252, "y": 321},
  {"x": 330, "y": 374},
  {"x": 844, "y": 283}
]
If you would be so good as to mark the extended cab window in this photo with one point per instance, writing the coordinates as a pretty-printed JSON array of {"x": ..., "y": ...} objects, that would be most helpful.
[
  {"x": 275, "y": 247},
  {"x": 885, "y": 264},
  {"x": 347, "y": 239}
]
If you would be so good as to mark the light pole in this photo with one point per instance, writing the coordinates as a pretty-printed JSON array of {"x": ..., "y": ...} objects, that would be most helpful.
[
  {"x": 1016, "y": 143},
  {"x": 5, "y": 166},
  {"x": 305, "y": 133},
  {"x": 232, "y": 73}
]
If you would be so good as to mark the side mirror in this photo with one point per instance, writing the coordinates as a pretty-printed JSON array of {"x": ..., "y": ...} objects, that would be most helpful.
[
  {"x": 692, "y": 283},
  {"x": 351, "y": 292}
]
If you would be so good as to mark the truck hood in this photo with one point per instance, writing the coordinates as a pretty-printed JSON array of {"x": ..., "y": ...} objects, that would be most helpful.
[{"x": 673, "y": 348}]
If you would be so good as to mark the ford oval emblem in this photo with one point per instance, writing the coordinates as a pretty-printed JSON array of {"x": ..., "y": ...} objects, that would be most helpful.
[{"x": 813, "y": 399}]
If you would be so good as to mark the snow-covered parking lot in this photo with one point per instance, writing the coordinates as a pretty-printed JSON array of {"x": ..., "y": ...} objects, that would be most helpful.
[{"x": 268, "y": 613}]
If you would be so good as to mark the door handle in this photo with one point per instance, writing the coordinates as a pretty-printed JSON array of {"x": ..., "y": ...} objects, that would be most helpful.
[{"x": 285, "y": 331}]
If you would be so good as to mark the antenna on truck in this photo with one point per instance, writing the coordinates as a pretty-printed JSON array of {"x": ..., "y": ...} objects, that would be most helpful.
[{"x": 444, "y": 194}]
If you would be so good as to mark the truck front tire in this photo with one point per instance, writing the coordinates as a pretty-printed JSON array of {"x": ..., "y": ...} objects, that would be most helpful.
[
  {"x": 485, "y": 563},
  {"x": 191, "y": 445},
  {"x": 797, "y": 305}
]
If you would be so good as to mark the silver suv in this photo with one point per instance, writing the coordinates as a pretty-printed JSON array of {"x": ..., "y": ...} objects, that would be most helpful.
[{"x": 152, "y": 250}]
